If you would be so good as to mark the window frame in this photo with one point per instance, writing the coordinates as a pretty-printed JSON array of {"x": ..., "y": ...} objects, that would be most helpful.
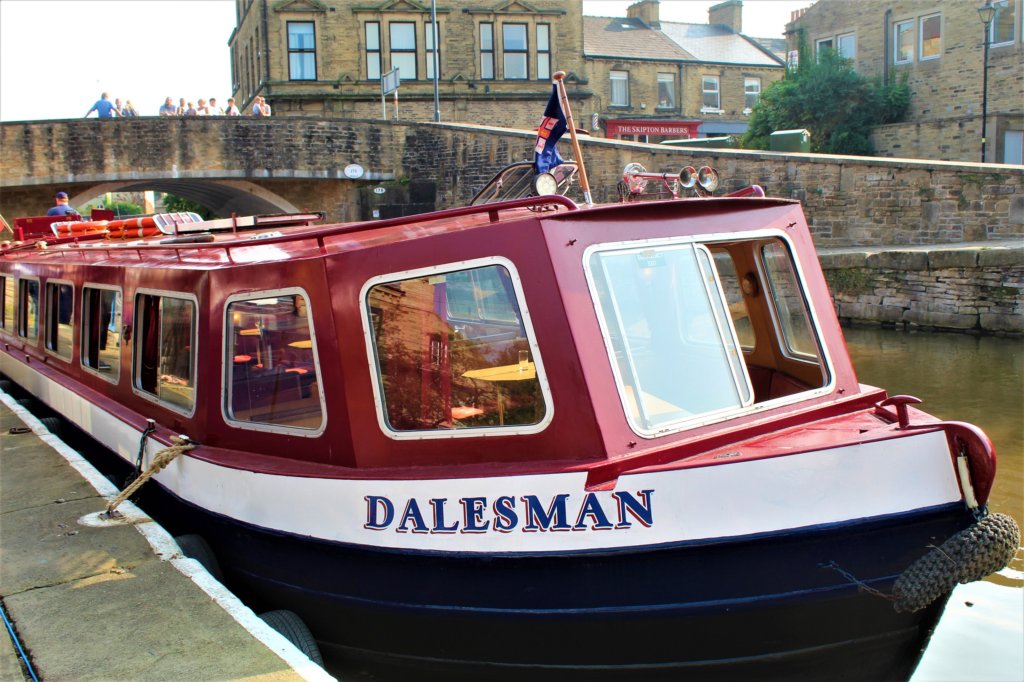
[
  {"x": 709, "y": 242},
  {"x": 112, "y": 377},
  {"x": 506, "y": 52},
  {"x": 225, "y": 393},
  {"x": 998, "y": 4},
  {"x": 613, "y": 76},
  {"x": 6, "y": 302},
  {"x": 428, "y": 50},
  {"x": 704, "y": 78},
  {"x": 371, "y": 51},
  {"x": 896, "y": 41},
  {"x": 47, "y": 320},
  {"x": 300, "y": 51},
  {"x": 545, "y": 72},
  {"x": 771, "y": 297},
  {"x": 21, "y": 314},
  {"x": 839, "y": 47},
  {"x": 531, "y": 337},
  {"x": 414, "y": 51},
  {"x": 920, "y": 36},
  {"x": 670, "y": 78},
  {"x": 747, "y": 82},
  {"x": 137, "y": 334},
  {"x": 823, "y": 43},
  {"x": 487, "y": 52}
]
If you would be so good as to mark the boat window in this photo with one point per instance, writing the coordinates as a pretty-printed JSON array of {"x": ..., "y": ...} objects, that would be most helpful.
[
  {"x": 7, "y": 292},
  {"x": 274, "y": 377},
  {"x": 675, "y": 354},
  {"x": 165, "y": 348},
  {"x": 101, "y": 325},
  {"x": 28, "y": 308},
  {"x": 788, "y": 303},
  {"x": 59, "y": 310},
  {"x": 731, "y": 287},
  {"x": 452, "y": 352}
]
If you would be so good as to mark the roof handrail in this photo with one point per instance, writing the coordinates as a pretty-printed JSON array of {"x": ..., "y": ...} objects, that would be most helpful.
[{"x": 330, "y": 231}]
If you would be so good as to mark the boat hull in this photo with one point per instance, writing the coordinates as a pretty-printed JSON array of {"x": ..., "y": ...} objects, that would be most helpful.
[{"x": 781, "y": 606}]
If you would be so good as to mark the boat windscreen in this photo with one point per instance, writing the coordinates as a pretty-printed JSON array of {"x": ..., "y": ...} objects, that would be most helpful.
[{"x": 518, "y": 181}]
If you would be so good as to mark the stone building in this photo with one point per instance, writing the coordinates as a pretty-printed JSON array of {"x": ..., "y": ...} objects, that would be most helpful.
[
  {"x": 655, "y": 80},
  {"x": 326, "y": 58},
  {"x": 496, "y": 57},
  {"x": 939, "y": 47}
]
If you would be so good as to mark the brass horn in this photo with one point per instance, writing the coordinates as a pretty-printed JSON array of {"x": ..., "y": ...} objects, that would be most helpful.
[
  {"x": 707, "y": 178},
  {"x": 687, "y": 177}
]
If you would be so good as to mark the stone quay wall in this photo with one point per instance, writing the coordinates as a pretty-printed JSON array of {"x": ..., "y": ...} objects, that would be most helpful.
[{"x": 970, "y": 288}]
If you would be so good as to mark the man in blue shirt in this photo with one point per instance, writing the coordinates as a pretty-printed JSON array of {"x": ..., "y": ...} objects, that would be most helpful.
[
  {"x": 104, "y": 108},
  {"x": 62, "y": 207}
]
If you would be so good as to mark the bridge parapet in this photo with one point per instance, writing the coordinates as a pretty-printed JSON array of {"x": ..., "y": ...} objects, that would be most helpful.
[{"x": 300, "y": 162}]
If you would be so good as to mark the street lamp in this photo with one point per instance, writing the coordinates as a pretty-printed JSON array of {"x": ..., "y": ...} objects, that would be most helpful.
[{"x": 986, "y": 12}]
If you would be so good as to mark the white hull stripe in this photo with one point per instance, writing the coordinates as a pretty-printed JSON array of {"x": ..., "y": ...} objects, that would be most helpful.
[{"x": 553, "y": 512}]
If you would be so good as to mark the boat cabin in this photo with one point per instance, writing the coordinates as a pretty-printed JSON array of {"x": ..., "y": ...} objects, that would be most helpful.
[{"x": 518, "y": 335}]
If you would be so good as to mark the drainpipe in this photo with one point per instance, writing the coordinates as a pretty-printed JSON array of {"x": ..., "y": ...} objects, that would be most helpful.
[
  {"x": 886, "y": 47},
  {"x": 679, "y": 99},
  {"x": 266, "y": 47}
]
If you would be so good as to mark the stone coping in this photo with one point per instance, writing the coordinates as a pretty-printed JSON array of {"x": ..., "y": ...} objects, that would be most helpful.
[{"x": 1004, "y": 253}]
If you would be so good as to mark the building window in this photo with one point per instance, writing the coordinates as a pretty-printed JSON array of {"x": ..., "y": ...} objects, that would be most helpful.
[
  {"x": 7, "y": 294},
  {"x": 428, "y": 33},
  {"x": 301, "y": 51},
  {"x": 929, "y": 44},
  {"x": 273, "y": 375},
  {"x": 620, "y": 88},
  {"x": 1002, "y": 26},
  {"x": 543, "y": 51},
  {"x": 822, "y": 45},
  {"x": 60, "y": 301},
  {"x": 487, "y": 51},
  {"x": 751, "y": 92},
  {"x": 403, "y": 49},
  {"x": 711, "y": 100},
  {"x": 903, "y": 42},
  {"x": 666, "y": 91},
  {"x": 514, "y": 51},
  {"x": 28, "y": 308},
  {"x": 372, "y": 50},
  {"x": 165, "y": 363},
  {"x": 454, "y": 353},
  {"x": 101, "y": 331},
  {"x": 846, "y": 45}
]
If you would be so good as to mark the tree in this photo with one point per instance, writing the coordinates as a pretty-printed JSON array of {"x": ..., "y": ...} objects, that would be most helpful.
[
  {"x": 176, "y": 204},
  {"x": 831, "y": 100}
]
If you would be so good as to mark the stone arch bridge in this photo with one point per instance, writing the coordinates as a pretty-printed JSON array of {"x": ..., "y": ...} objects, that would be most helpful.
[{"x": 256, "y": 165}]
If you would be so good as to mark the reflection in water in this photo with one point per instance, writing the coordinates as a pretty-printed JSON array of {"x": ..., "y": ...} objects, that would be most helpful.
[{"x": 978, "y": 380}]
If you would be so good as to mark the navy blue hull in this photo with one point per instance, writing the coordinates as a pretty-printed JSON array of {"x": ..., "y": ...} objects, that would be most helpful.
[{"x": 771, "y": 608}]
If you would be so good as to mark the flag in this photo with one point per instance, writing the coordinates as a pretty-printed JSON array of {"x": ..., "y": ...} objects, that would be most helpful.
[{"x": 551, "y": 129}]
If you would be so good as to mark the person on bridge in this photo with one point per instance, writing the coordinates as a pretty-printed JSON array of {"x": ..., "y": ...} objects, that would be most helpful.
[
  {"x": 214, "y": 110},
  {"x": 232, "y": 110},
  {"x": 128, "y": 109},
  {"x": 104, "y": 108},
  {"x": 62, "y": 207},
  {"x": 168, "y": 108}
]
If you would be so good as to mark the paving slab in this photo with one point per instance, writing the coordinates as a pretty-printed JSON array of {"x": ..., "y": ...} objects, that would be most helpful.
[{"x": 99, "y": 602}]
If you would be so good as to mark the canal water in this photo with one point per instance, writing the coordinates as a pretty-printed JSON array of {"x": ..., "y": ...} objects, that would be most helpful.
[{"x": 977, "y": 379}]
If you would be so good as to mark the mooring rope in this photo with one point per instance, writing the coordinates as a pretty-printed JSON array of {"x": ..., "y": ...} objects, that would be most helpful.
[{"x": 160, "y": 460}]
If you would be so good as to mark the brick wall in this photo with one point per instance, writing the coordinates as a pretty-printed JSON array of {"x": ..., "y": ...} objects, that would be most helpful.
[{"x": 964, "y": 289}]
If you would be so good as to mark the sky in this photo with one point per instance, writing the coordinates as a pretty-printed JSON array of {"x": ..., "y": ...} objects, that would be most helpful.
[{"x": 58, "y": 56}]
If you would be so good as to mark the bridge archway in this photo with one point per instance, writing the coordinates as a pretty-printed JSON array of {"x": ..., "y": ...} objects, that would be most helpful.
[{"x": 222, "y": 197}]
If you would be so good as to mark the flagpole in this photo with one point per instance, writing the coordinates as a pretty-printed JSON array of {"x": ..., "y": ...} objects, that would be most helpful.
[{"x": 563, "y": 99}]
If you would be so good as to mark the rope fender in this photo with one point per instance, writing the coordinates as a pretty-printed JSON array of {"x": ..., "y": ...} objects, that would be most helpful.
[
  {"x": 160, "y": 460},
  {"x": 971, "y": 554}
]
